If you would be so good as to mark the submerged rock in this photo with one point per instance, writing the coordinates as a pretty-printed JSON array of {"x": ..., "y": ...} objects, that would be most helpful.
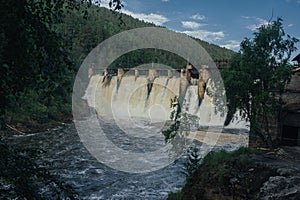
[{"x": 280, "y": 187}]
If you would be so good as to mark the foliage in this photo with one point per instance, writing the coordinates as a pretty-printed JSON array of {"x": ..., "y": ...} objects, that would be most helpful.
[
  {"x": 216, "y": 52},
  {"x": 32, "y": 55},
  {"x": 225, "y": 174},
  {"x": 257, "y": 77},
  {"x": 181, "y": 122},
  {"x": 178, "y": 131},
  {"x": 171, "y": 132},
  {"x": 35, "y": 68},
  {"x": 83, "y": 35},
  {"x": 193, "y": 161}
]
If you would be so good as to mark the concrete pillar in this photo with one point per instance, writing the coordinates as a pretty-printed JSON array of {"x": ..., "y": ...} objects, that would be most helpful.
[
  {"x": 201, "y": 88},
  {"x": 105, "y": 80},
  {"x": 202, "y": 82},
  {"x": 183, "y": 83},
  {"x": 189, "y": 67},
  {"x": 120, "y": 73},
  {"x": 136, "y": 73},
  {"x": 204, "y": 73},
  {"x": 90, "y": 72},
  {"x": 152, "y": 74},
  {"x": 105, "y": 72},
  {"x": 183, "y": 73},
  {"x": 188, "y": 74},
  {"x": 194, "y": 81},
  {"x": 170, "y": 74}
]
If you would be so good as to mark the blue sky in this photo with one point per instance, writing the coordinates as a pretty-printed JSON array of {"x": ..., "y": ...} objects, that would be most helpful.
[{"x": 222, "y": 22}]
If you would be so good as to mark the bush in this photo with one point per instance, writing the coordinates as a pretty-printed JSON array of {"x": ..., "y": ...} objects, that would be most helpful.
[
  {"x": 31, "y": 109},
  {"x": 223, "y": 173}
]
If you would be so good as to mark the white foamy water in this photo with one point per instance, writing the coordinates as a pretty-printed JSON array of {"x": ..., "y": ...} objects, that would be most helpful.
[
  {"x": 141, "y": 110},
  {"x": 129, "y": 101}
]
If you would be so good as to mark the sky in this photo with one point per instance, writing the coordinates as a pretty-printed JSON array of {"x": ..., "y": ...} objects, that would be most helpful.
[{"x": 222, "y": 22}]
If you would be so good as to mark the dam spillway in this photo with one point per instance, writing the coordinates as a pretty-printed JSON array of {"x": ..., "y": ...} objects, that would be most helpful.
[
  {"x": 129, "y": 98},
  {"x": 142, "y": 108}
]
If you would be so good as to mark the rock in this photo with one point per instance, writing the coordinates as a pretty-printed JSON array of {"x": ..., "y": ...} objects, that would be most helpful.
[
  {"x": 285, "y": 171},
  {"x": 283, "y": 154},
  {"x": 280, "y": 187},
  {"x": 233, "y": 180},
  {"x": 251, "y": 170}
]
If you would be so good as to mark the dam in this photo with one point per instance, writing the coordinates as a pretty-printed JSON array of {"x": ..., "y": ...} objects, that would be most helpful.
[
  {"x": 147, "y": 94},
  {"x": 139, "y": 95},
  {"x": 158, "y": 110}
]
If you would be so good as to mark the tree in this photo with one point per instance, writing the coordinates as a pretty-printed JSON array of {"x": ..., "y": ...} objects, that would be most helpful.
[
  {"x": 258, "y": 76},
  {"x": 33, "y": 61}
]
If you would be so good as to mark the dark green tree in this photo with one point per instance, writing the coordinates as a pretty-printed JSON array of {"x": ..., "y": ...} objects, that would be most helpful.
[
  {"x": 35, "y": 68},
  {"x": 258, "y": 76}
]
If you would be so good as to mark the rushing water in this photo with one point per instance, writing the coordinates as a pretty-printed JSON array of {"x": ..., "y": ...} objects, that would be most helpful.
[
  {"x": 69, "y": 159},
  {"x": 64, "y": 154}
]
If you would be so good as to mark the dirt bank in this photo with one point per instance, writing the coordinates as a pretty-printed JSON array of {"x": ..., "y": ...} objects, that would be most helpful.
[{"x": 33, "y": 126}]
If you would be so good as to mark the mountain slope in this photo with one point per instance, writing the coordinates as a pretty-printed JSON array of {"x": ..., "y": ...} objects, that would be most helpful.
[{"x": 82, "y": 35}]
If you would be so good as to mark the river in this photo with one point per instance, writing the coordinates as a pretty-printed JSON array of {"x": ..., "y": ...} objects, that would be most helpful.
[{"x": 68, "y": 159}]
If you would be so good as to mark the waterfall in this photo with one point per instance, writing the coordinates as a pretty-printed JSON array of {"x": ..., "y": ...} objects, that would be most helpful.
[
  {"x": 205, "y": 111},
  {"x": 129, "y": 100}
]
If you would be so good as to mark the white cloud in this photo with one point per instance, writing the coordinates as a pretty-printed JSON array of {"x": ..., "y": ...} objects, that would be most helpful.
[
  {"x": 198, "y": 17},
  {"x": 206, "y": 35},
  {"x": 157, "y": 19},
  {"x": 164, "y": 0},
  {"x": 246, "y": 17},
  {"x": 292, "y": 1},
  {"x": 104, "y": 3},
  {"x": 232, "y": 44},
  {"x": 190, "y": 25},
  {"x": 258, "y": 22},
  {"x": 290, "y": 25}
]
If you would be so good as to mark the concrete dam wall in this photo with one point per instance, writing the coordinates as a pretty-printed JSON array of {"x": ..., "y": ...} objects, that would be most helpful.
[{"x": 131, "y": 97}]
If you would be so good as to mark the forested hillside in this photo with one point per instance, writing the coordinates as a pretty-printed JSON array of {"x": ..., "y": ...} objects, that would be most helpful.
[
  {"x": 42, "y": 47},
  {"x": 82, "y": 35}
]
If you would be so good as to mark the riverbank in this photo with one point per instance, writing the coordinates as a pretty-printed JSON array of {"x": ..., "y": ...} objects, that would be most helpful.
[
  {"x": 34, "y": 126},
  {"x": 245, "y": 174}
]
